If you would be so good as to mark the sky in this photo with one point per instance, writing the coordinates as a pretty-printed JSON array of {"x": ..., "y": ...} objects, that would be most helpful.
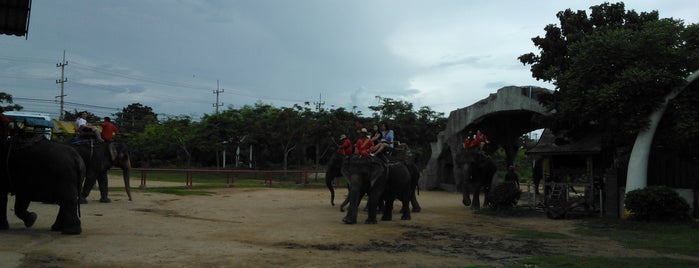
[{"x": 172, "y": 55}]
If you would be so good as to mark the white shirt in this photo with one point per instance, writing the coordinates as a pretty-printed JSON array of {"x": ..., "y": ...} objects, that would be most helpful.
[{"x": 80, "y": 122}]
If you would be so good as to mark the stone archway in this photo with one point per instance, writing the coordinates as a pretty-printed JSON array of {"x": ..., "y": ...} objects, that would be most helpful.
[{"x": 504, "y": 116}]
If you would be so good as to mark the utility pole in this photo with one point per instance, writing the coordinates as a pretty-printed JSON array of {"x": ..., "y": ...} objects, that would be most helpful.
[
  {"x": 320, "y": 103},
  {"x": 217, "y": 92},
  {"x": 62, "y": 81}
]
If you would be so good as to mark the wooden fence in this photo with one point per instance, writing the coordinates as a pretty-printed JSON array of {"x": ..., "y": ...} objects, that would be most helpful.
[{"x": 302, "y": 176}]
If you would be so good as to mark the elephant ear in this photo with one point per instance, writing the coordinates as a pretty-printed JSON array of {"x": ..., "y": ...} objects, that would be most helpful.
[{"x": 377, "y": 171}]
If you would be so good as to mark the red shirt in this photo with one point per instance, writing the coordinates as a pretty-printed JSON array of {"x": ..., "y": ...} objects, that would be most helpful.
[
  {"x": 108, "y": 129},
  {"x": 363, "y": 146},
  {"x": 346, "y": 148}
]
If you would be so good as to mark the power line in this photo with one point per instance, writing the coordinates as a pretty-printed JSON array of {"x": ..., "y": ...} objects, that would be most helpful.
[
  {"x": 67, "y": 103},
  {"x": 78, "y": 65}
]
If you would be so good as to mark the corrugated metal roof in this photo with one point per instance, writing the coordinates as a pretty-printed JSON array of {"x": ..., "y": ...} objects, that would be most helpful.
[
  {"x": 14, "y": 17},
  {"x": 547, "y": 146},
  {"x": 65, "y": 126}
]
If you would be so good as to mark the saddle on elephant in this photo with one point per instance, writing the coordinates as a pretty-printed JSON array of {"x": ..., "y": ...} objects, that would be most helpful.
[{"x": 91, "y": 142}]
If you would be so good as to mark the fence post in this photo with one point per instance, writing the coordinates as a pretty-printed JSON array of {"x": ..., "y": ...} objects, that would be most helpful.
[
  {"x": 230, "y": 179},
  {"x": 188, "y": 182},
  {"x": 143, "y": 180}
]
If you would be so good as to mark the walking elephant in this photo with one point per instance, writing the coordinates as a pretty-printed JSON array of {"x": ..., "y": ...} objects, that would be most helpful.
[
  {"x": 334, "y": 170},
  {"x": 37, "y": 169},
  {"x": 380, "y": 181},
  {"x": 477, "y": 170},
  {"x": 99, "y": 157}
]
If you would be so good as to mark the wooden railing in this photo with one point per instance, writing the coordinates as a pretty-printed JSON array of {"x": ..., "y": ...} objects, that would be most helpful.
[{"x": 230, "y": 175}]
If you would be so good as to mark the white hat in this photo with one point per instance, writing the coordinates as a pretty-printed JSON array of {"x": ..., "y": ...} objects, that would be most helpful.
[
  {"x": 364, "y": 130},
  {"x": 343, "y": 136}
]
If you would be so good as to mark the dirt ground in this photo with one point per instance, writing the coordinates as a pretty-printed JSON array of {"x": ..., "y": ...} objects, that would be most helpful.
[{"x": 267, "y": 227}]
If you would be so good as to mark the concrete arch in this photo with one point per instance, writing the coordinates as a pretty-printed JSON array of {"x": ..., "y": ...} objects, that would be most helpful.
[{"x": 504, "y": 116}]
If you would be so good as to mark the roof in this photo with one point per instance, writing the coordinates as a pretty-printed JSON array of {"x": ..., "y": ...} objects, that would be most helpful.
[
  {"x": 31, "y": 120},
  {"x": 65, "y": 126},
  {"x": 546, "y": 145},
  {"x": 14, "y": 17}
]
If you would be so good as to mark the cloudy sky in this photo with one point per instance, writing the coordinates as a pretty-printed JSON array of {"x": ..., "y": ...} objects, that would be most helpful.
[{"x": 169, "y": 54}]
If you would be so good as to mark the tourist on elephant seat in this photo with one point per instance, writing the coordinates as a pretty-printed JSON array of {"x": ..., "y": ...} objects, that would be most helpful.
[
  {"x": 479, "y": 140},
  {"x": 468, "y": 140},
  {"x": 386, "y": 140},
  {"x": 345, "y": 148},
  {"x": 108, "y": 129},
  {"x": 376, "y": 134},
  {"x": 364, "y": 144},
  {"x": 82, "y": 128}
]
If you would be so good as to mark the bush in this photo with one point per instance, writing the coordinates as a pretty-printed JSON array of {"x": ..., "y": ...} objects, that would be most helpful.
[
  {"x": 503, "y": 197},
  {"x": 656, "y": 203}
]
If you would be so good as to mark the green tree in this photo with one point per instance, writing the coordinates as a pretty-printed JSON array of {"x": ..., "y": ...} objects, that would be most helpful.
[
  {"x": 72, "y": 116},
  {"x": 6, "y": 99},
  {"x": 416, "y": 128},
  {"x": 613, "y": 70},
  {"x": 134, "y": 118}
]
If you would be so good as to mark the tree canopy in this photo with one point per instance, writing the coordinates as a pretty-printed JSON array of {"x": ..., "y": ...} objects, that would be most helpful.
[
  {"x": 7, "y": 100},
  {"x": 278, "y": 136},
  {"x": 613, "y": 68},
  {"x": 135, "y": 117}
]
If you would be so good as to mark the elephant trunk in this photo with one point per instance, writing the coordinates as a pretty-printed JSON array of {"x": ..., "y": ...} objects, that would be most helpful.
[
  {"x": 127, "y": 177},
  {"x": 329, "y": 184}
]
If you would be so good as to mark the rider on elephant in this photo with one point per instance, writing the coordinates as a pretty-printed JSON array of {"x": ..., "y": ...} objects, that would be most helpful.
[
  {"x": 364, "y": 144},
  {"x": 479, "y": 140},
  {"x": 346, "y": 146},
  {"x": 83, "y": 128},
  {"x": 108, "y": 129},
  {"x": 387, "y": 137}
]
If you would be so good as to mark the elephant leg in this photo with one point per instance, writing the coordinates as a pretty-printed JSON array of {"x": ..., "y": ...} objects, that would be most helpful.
[
  {"x": 353, "y": 199},
  {"x": 21, "y": 206},
  {"x": 90, "y": 181},
  {"x": 329, "y": 184},
  {"x": 344, "y": 204},
  {"x": 406, "y": 211},
  {"x": 476, "y": 204},
  {"x": 387, "y": 209},
  {"x": 57, "y": 225},
  {"x": 103, "y": 183},
  {"x": 466, "y": 196},
  {"x": 415, "y": 204},
  {"x": 67, "y": 220},
  {"x": 373, "y": 204},
  {"x": 4, "y": 225}
]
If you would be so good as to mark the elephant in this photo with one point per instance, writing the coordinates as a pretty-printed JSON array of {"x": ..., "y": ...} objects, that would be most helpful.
[
  {"x": 477, "y": 170},
  {"x": 99, "y": 157},
  {"x": 334, "y": 170},
  {"x": 36, "y": 169},
  {"x": 380, "y": 181}
]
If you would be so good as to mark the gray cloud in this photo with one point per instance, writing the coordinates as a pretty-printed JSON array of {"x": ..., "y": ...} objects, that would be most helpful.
[{"x": 169, "y": 54}]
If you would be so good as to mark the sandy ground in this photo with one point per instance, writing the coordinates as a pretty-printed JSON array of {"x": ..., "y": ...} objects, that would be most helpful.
[{"x": 265, "y": 227}]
